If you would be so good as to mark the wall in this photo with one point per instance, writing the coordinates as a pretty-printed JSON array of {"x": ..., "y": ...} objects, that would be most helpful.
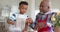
[{"x": 54, "y": 3}]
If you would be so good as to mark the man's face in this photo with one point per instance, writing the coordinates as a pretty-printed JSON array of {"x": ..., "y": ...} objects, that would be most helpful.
[
  {"x": 23, "y": 8},
  {"x": 44, "y": 7}
]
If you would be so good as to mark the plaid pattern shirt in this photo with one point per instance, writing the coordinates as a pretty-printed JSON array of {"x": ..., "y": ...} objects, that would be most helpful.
[{"x": 42, "y": 17}]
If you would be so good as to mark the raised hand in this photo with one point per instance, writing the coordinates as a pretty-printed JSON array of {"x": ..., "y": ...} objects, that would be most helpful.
[{"x": 29, "y": 21}]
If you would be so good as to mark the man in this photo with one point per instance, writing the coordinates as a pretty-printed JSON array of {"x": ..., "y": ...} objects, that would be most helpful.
[
  {"x": 43, "y": 21},
  {"x": 23, "y": 6}
]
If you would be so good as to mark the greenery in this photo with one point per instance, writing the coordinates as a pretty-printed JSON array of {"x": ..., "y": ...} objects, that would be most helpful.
[{"x": 56, "y": 19}]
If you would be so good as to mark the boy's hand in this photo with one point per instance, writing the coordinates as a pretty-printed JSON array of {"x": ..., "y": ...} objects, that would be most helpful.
[
  {"x": 29, "y": 21},
  {"x": 11, "y": 22}
]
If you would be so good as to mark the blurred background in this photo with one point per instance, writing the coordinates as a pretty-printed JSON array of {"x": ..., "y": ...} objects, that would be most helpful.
[{"x": 10, "y": 6}]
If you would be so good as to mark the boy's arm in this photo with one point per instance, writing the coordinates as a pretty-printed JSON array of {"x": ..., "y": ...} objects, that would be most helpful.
[
  {"x": 34, "y": 25},
  {"x": 27, "y": 23},
  {"x": 11, "y": 19},
  {"x": 26, "y": 28},
  {"x": 10, "y": 22}
]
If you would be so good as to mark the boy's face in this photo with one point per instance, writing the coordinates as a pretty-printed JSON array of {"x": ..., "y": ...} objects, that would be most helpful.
[
  {"x": 44, "y": 7},
  {"x": 23, "y": 8}
]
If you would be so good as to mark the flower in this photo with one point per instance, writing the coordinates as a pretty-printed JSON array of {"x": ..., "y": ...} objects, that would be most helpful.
[
  {"x": 58, "y": 13},
  {"x": 53, "y": 18}
]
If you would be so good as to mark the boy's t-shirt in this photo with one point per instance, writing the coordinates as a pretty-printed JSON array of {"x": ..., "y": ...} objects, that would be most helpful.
[{"x": 17, "y": 17}]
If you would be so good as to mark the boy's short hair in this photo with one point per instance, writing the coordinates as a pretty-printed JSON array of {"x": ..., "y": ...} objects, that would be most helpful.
[{"x": 23, "y": 2}]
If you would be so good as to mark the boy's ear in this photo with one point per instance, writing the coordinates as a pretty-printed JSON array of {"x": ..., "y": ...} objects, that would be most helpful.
[{"x": 48, "y": 7}]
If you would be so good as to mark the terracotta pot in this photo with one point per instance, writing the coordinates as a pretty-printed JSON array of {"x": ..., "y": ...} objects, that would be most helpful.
[{"x": 56, "y": 29}]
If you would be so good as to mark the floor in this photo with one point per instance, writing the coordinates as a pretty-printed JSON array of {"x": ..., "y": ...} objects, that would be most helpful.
[{"x": 2, "y": 27}]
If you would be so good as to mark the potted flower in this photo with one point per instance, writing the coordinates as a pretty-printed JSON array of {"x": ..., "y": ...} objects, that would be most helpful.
[{"x": 56, "y": 20}]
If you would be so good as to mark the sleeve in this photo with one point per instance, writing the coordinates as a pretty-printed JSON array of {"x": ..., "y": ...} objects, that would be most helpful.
[
  {"x": 12, "y": 17},
  {"x": 51, "y": 16},
  {"x": 49, "y": 22},
  {"x": 34, "y": 23}
]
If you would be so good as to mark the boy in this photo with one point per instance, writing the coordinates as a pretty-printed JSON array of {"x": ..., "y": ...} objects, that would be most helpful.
[
  {"x": 23, "y": 5},
  {"x": 43, "y": 21}
]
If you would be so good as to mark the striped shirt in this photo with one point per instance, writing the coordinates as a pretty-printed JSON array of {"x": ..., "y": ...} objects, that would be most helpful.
[{"x": 42, "y": 17}]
